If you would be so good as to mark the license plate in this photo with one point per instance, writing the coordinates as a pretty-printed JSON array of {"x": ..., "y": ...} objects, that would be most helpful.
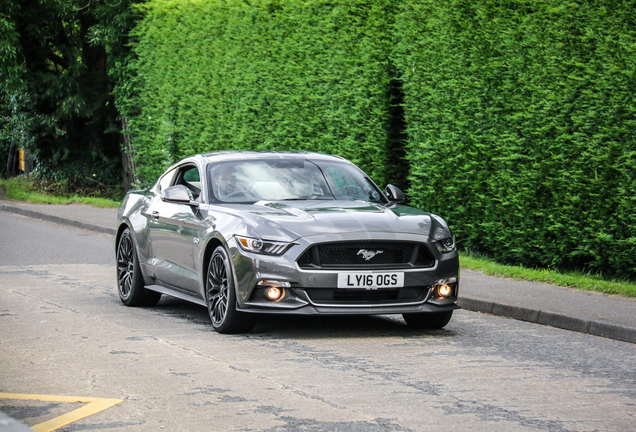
[{"x": 370, "y": 280}]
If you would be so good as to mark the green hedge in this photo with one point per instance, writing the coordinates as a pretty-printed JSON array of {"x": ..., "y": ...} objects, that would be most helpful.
[
  {"x": 519, "y": 116},
  {"x": 521, "y": 121},
  {"x": 283, "y": 75}
]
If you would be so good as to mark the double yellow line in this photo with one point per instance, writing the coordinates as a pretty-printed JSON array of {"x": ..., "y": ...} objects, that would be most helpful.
[{"x": 93, "y": 406}]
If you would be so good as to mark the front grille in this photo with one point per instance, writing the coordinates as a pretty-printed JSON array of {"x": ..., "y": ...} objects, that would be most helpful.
[
  {"x": 366, "y": 297},
  {"x": 367, "y": 255}
]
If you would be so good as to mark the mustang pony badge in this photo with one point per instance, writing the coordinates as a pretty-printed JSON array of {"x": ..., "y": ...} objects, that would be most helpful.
[{"x": 367, "y": 255}]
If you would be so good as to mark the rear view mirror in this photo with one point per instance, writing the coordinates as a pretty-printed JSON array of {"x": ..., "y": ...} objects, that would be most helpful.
[
  {"x": 179, "y": 194},
  {"x": 394, "y": 193}
]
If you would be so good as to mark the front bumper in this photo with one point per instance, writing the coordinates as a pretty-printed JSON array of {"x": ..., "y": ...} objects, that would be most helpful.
[{"x": 315, "y": 292}]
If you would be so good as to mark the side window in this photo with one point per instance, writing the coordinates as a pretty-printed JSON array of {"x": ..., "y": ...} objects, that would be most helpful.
[
  {"x": 190, "y": 178},
  {"x": 166, "y": 180}
]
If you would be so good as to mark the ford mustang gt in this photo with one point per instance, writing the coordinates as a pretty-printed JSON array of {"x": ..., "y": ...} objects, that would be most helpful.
[{"x": 247, "y": 233}]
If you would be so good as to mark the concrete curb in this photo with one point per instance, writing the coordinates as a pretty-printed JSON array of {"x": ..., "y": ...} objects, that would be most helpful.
[
  {"x": 58, "y": 219},
  {"x": 593, "y": 327}
]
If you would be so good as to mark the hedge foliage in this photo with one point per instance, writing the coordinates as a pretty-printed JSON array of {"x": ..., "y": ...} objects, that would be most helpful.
[
  {"x": 281, "y": 75},
  {"x": 519, "y": 116},
  {"x": 521, "y": 121}
]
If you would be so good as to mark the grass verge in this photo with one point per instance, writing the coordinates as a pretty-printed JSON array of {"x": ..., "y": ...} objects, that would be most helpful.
[
  {"x": 21, "y": 189},
  {"x": 581, "y": 281}
]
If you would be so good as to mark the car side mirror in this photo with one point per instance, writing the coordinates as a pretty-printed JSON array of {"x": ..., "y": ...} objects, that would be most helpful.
[
  {"x": 179, "y": 194},
  {"x": 394, "y": 193}
]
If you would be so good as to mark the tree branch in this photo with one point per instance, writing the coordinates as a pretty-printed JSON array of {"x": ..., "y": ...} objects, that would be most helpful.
[{"x": 57, "y": 60}]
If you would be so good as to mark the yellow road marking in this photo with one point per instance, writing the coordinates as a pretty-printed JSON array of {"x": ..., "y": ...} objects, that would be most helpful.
[{"x": 93, "y": 406}]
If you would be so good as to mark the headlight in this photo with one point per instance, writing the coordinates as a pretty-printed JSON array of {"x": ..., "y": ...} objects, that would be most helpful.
[
  {"x": 446, "y": 245},
  {"x": 262, "y": 246}
]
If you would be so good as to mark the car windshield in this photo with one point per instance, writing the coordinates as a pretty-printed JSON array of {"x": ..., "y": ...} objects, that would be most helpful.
[{"x": 248, "y": 181}]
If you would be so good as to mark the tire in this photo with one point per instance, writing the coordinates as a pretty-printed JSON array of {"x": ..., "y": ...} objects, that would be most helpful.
[
  {"x": 428, "y": 320},
  {"x": 220, "y": 296},
  {"x": 130, "y": 282}
]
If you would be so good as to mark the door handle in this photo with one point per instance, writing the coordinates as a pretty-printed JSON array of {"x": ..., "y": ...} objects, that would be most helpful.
[{"x": 155, "y": 215}]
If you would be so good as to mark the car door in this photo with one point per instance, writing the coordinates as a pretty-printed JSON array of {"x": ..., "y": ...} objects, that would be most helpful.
[{"x": 173, "y": 229}]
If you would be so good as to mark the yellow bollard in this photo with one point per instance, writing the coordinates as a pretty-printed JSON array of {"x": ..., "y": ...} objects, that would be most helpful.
[{"x": 21, "y": 160}]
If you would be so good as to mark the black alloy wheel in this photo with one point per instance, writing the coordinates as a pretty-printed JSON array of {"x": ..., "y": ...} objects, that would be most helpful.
[
  {"x": 220, "y": 296},
  {"x": 428, "y": 320},
  {"x": 130, "y": 284}
]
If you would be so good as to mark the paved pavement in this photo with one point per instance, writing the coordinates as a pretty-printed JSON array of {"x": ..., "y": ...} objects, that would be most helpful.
[{"x": 582, "y": 311}]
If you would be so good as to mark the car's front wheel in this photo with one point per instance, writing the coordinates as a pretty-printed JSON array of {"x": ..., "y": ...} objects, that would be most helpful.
[
  {"x": 220, "y": 296},
  {"x": 130, "y": 283},
  {"x": 430, "y": 320}
]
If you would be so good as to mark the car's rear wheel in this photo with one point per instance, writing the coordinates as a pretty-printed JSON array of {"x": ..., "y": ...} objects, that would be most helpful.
[
  {"x": 130, "y": 282},
  {"x": 220, "y": 296},
  {"x": 430, "y": 320}
]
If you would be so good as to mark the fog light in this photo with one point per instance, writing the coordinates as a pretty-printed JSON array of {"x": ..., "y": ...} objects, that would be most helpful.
[
  {"x": 445, "y": 290},
  {"x": 274, "y": 290},
  {"x": 274, "y": 293}
]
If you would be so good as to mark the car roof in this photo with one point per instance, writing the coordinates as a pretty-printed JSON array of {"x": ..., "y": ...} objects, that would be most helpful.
[{"x": 246, "y": 155}]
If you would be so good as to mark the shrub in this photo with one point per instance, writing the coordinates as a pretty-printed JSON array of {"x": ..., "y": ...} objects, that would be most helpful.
[
  {"x": 271, "y": 75},
  {"x": 518, "y": 116},
  {"x": 521, "y": 132}
]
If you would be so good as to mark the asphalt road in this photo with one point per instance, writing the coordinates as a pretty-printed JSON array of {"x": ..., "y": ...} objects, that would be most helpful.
[
  {"x": 27, "y": 241},
  {"x": 65, "y": 333}
]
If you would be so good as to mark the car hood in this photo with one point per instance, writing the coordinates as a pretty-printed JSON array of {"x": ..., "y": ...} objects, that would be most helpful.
[{"x": 290, "y": 220}]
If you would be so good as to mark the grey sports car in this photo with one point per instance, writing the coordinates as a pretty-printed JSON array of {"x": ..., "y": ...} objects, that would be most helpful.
[{"x": 247, "y": 233}]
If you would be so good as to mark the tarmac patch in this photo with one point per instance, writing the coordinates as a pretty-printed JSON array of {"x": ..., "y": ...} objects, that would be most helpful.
[{"x": 91, "y": 406}]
